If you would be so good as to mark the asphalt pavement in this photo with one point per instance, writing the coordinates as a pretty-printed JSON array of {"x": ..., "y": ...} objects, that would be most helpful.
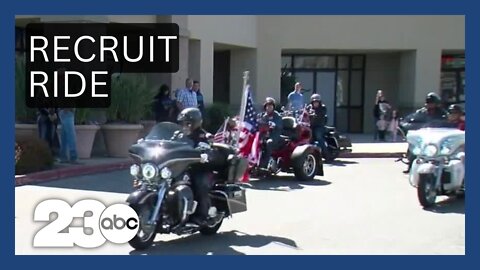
[{"x": 360, "y": 207}]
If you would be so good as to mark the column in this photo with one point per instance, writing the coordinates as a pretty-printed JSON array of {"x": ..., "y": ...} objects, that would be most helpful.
[
  {"x": 269, "y": 61},
  {"x": 206, "y": 70},
  {"x": 241, "y": 60},
  {"x": 178, "y": 78},
  {"x": 194, "y": 59},
  {"x": 406, "y": 88},
  {"x": 427, "y": 74}
]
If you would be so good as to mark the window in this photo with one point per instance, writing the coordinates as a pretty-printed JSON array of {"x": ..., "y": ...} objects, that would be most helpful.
[
  {"x": 343, "y": 62},
  {"x": 339, "y": 79},
  {"x": 314, "y": 62},
  {"x": 452, "y": 79},
  {"x": 453, "y": 61},
  {"x": 286, "y": 61}
]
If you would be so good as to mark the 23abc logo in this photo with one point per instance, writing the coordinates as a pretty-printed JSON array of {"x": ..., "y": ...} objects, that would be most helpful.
[{"x": 118, "y": 223}]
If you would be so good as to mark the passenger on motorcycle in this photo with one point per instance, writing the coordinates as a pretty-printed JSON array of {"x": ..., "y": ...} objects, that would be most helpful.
[
  {"x": 455, "y": 116},
  {"x": 318, "y": 113},
  {"x": 191, "y": 121},
  {"x": 274, "y": 121}
]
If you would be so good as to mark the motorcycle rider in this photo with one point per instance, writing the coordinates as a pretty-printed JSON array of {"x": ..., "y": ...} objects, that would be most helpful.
[
  {"x": 191, "y": 121},
  {"x": 318, "y": 111},
  {"x": 274, "y": 120},
  {"x": 431, "y": 112},
  {"x": 433, "y": 108},
  {"x": 455, "y": 116}
]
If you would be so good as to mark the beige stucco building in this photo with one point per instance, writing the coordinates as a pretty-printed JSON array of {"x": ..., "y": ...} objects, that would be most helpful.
[{"x": 344, "y": 58}]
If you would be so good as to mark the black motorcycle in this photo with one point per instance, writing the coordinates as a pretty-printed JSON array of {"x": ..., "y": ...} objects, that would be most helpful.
[
  {"x": 163, "y": 171},
  {"x": 336, "y": 144}
]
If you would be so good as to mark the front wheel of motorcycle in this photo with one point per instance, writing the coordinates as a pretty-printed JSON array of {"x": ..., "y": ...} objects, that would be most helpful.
[
  {"x": 211, "y": 230},
  {"x": 426, "y": 191},
  {"x": 146, "y": 233}
]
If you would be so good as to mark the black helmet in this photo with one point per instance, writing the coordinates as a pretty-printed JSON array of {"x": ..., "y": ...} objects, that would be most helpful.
[
  {"x": 190, "y": 119},
  {"x": 269, "y": 100},
  {"x": 433, "y": 98},
  {"x": 315, "y": 97},
  {"x": 455, "y": 108}
]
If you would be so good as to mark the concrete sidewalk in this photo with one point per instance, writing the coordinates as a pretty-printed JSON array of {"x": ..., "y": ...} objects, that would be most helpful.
[{"x": 362, "y": 147}]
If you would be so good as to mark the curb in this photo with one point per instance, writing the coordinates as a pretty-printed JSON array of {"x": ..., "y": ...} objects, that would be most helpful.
[
  {"x": 56, "y": 174},
  {"x": 372, "y": 155}
]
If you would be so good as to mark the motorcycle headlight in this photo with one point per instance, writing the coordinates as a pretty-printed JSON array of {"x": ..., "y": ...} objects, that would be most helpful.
[
  {"x": 445, "y": 150},
  {"x": 149, "y": 171},
  {"x": 416, "y": 151},
  {"x": 430, "y": 150},
  {"x": 134, "y": 170},
  {"x": 166, "y": 173},
  {"x": 446, "y": 147}
]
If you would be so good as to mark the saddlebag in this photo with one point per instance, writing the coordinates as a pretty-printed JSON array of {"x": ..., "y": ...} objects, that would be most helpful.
[
  {"x": 344, "y": 142},
  {"x": 229, "y": 195},
  {"x": 229, "y": 167}
]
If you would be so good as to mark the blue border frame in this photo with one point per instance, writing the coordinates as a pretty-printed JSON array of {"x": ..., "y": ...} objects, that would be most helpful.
[{"x": 343, "y": 7}]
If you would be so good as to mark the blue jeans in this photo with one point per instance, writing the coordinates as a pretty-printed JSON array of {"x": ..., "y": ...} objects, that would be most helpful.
[
  {"x": 318, "y": 136},
  {"x": 46, "y": 129},
  {"x": 68, "y": 143}
]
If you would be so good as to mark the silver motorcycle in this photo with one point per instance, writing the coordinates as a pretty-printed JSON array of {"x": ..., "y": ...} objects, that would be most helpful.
[{"x": 439, "y": 167}]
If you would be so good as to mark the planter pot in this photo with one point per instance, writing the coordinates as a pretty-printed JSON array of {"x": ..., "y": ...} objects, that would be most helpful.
[
  {"x": 119, "y": 138},
  {"x": 85, "y": 135},
  {"x": 26, "y": 130},
  {"x": 147, "y": 126}
]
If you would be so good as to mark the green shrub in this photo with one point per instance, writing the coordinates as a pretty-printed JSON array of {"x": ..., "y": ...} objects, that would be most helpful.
[
  {"x": 215, "y": 115},
  {"x": 131, "y": 98},
  {"x": 32, "y": 154},
  {"x": 23, "y": 114},
  {"x": 82, "y": 116}
]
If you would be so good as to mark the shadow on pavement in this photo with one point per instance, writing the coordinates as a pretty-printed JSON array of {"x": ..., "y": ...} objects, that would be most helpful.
[
  {"x": 340, "y": 163},
  {"x": 285, "y": 183},
  {"x": 452, "y": 205},
  {"x": 219, "y": 244},
  {"x": 116, "y": 181}
]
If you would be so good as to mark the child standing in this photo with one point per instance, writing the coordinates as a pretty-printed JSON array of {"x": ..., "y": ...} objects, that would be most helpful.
[
  {"x": 382, "y": 125},
  {"x": 394, "y": 125}
]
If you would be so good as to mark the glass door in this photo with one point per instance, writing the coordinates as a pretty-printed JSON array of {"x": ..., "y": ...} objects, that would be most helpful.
[{"x": 325, "y": 86}]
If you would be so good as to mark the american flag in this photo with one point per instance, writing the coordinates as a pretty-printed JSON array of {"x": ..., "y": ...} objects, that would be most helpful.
[
  {"x": 220, "y": 136},
  {"x": 249, "y": 140}
]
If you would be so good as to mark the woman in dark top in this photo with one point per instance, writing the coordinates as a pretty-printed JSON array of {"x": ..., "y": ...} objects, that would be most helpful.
[
  {"x": 380, "y": 111},
  {"x": 164, "y": 105}
]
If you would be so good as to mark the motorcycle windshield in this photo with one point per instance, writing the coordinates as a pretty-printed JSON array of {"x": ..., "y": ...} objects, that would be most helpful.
[
  {"x": 162, "y": 131},
  {"x": 417, "y": 121},
  {"x": 159, "y": 147}
]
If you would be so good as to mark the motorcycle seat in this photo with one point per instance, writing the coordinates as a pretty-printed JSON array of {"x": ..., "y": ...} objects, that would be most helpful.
[
  {"x": 285, "y": 138},
  {"x": 329, "y": 129}
]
